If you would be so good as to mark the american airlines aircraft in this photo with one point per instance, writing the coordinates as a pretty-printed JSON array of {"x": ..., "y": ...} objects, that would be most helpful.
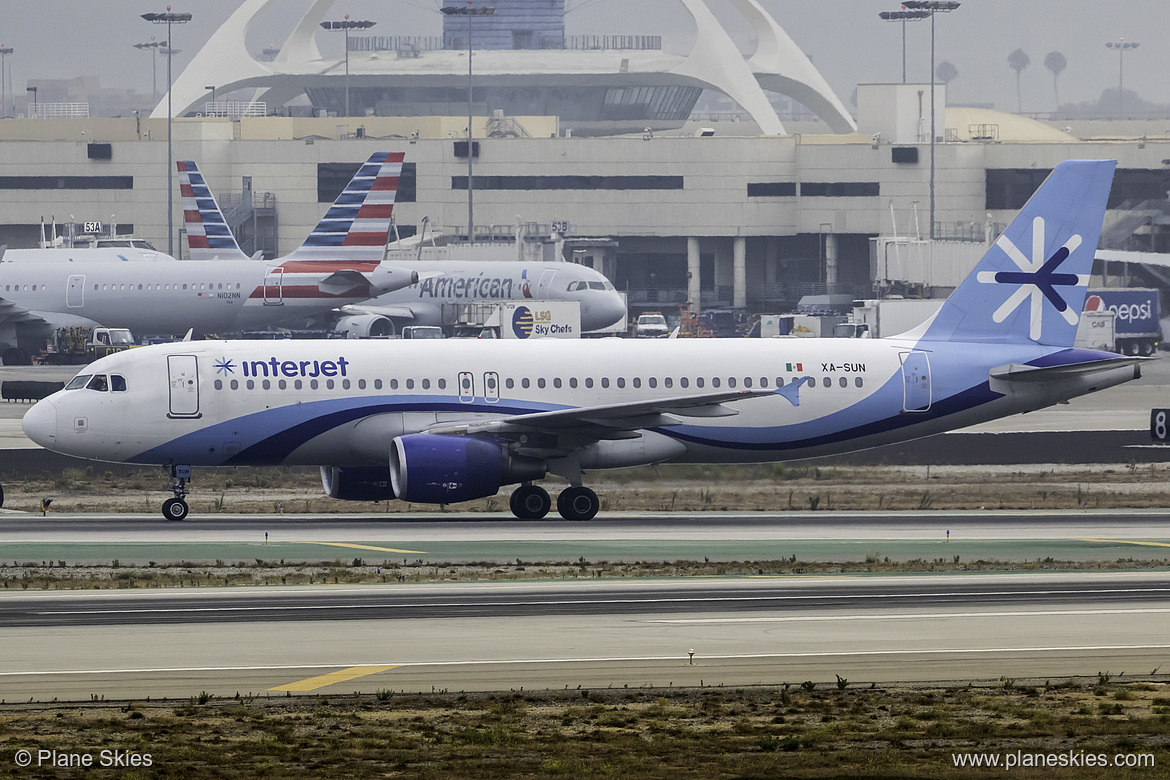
[
  {"x": 449, "y": 421},
  {"x": 440, "y": 282},
  {"x": 153, "y": 293}
]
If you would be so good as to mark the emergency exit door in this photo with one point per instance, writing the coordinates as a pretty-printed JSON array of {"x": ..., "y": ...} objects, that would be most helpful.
[{"x": 184, "y": 386}]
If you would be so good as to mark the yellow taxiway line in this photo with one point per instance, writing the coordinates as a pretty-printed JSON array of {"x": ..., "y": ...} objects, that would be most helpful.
[
  {"x": 365, "y": 547},
  {"x": 1124, "y": 541},
  {"x": 340, "y": 676}
]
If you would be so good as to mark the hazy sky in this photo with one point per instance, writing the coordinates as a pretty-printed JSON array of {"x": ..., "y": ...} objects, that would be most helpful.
[{"x": 845, "y": 39}]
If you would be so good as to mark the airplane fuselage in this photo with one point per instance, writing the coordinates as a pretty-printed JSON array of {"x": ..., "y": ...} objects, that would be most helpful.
[
  {"x": 154, "y": 295},
  {"x": 343, "y": 402}
]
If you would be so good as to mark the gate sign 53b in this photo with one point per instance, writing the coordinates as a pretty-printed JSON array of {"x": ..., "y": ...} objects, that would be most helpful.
[{"x": 1160, "y": 425}]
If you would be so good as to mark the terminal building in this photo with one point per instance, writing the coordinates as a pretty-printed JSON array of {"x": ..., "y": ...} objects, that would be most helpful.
[{"x": 750, "y": 215}]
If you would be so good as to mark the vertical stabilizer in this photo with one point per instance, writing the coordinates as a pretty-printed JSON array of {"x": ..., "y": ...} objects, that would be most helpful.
[
  {"x": 357, "y": 224},
  {"x": 208, "y": 235},
  {"x": 1031, "y": 284}
]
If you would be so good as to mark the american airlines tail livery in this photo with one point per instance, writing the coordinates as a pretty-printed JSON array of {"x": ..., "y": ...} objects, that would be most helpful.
[
  {"x": 153, "y": 293},
  {"x": 449, "y": 421},
  {"x": 355, "y": 228}
]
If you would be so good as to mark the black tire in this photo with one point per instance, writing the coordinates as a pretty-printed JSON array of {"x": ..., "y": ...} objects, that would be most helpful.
[
  {"x": 530, "y": 502},
  {"x": 175, "y": 509},
  {"x": 578, "y": 503},
  {"x": 1, "y": 495}
]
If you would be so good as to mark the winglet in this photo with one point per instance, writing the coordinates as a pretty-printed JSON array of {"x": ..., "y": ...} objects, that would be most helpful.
[
  {"x": 1031, "y": 284},
  {"x": 207, "y": 232}
]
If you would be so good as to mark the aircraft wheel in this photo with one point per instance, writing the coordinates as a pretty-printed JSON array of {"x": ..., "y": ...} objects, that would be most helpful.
[
  {"x": 578, "y": 503},
  {"x": 530, "y": 502},
  {"x": 1, "y": 495},
  {"x": 175, "y": 509}
]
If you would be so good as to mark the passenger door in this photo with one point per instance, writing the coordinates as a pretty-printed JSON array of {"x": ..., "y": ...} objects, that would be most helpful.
[
  {"x": 184, "y": 386},
  {"x": 75, "y": 292},
  {"x": 273, "y": 291},
  {"x": 915, "y": 382}
]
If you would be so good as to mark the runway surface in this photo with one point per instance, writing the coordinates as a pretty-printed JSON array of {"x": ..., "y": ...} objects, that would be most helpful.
[
  {"x": 1088, "y": 535},
  {"x": 334, "y": 641}
]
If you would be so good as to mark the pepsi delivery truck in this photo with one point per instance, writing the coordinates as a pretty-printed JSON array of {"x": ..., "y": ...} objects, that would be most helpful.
[{"x": 1136, "y": 317}]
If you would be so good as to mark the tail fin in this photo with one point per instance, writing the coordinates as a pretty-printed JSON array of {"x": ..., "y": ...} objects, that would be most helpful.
[
  {"x": 207, "y": 232},
  {"x": 356, "y": 225},
  {"x": 1031, "y": 284}
]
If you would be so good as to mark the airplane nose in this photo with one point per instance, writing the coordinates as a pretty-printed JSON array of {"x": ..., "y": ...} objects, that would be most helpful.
[{"x": 40, "y": 424}]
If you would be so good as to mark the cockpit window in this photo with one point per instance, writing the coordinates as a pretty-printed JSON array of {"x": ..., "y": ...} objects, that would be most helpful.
[
  {"x": 78, "y": 382},
  {"x": 574, "y": 286},
  {"x": 99, "y": 383},
  {"x": 117, "y": 383},
  {"x": 597, "y": 285}
]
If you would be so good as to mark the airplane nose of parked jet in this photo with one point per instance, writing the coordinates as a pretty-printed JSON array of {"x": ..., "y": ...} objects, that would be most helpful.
[
  {"x": 612, "y": 310},
  {"x": 40, "y": 423}
]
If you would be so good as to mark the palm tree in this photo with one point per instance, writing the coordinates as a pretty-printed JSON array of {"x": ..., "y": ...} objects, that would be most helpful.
[
  {"x": 946, "y": 72},
  {"x": 1018, "y": 60},
  {"x": 1056, "y": 63}
]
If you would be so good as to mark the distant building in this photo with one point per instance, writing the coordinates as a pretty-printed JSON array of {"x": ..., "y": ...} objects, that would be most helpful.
[{"x": 523, "y": 65}]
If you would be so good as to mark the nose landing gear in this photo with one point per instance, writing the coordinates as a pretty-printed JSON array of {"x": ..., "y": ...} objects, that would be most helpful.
[{"x": 176, "y": 508}]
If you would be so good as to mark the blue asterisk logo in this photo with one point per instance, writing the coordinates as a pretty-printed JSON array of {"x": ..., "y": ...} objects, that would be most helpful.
[
  {"x": 1037, "y": 279},
  {"x": 224, "y": 366}
]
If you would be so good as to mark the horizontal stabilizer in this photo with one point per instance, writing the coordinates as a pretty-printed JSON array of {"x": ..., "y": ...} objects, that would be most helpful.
[
  {"x": 1017, "y": 372},
  {"x": 341, "y": 282}
]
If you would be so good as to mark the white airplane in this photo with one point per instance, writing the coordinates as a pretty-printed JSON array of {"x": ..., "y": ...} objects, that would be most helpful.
[
  {"x": 440, "y": 282},
  {"x": 152, "y": 293},
  {"x": 450, "y": 421}
]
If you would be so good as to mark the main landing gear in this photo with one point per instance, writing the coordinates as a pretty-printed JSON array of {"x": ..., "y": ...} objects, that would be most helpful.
[
  {"x": 532, "y": 502},
  {"x": 176, "y": 508}
]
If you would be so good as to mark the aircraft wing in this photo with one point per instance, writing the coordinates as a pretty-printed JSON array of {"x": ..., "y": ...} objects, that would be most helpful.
[
  {"x": 395, "y": 312},
  {"x": 610, "y": 421}
]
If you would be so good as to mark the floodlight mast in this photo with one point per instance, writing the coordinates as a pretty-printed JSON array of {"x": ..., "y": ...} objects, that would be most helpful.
[
  {"x": 931, "y": 7},
  {"x": 469, "y": 11},
  {"x": 169, "y": 18},
  {"x": 346, "y": 25}
]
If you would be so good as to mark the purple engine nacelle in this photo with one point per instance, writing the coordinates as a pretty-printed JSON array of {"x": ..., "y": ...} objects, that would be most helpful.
[{"x": 429, "y": 468}]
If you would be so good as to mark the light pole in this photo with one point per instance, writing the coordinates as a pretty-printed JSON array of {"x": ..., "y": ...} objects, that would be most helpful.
[
  {"x": 211, "y": 101},
  {"x": 1121, "y": 45},
  {"x": 347, "y": 25},
  {"x": 168, "y": 19},
  {"x": 932, "y": 7},
  {"x": 153, "y": 45},
  {"x": 469, "y": 11},
  {"x": 903, "y": 17},
  {"x": 4, "y": 52}
]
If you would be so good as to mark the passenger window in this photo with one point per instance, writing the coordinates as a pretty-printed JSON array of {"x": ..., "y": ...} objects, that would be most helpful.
[
  {"x": 99, "y": 383},
  {"x": 282, "y": 385},
  {"x": 117, "y": 383},
  {"x": 699, "y": 382},
  {"x": 442, "y": 384},
  {"x": 857, "y": 381},
  {"x": 589, "y": 381},
  {"x": 605, "y": 381},
  {"x": 266, "y": 385},
  {"x": 637, "y": 381},
  {"x": 557, "y": 382},
  {"x": 763, "y": 381},
  {"x": 509, "y": 383},
  {"x": 540, "y": 383},
  {"x": 652, "y": 382},
  {"x": 747, "y": 381},
  {"x": 362, "y": 384},
  {"x": 344, "y": 384},
  {"x": 329, "y": 383},
  {"x": 525, "y": 383},
  {"x": 684, "y": 382},
  {"x": 573, "y": 382},
  {"x": 715, "y": 382},
  {"x": 668, "y": 382},
  {"x": 827, "y": 381},
  {"x": 235, "y": 384},
  {"x": 409, "y": 384},
  {"x": 731, "y": 382},
  {"x": 621, "y": 382},
  {"x": 843, "y": 381},
  {"x": 393, "y": 384},
  {"x": 779, "y": 381},
  {"x": 298, "y": 384},
  {"x": 312, "y": 384},
  {"x": 251, "y": 384},
  {"x": 426, "y": 384},
  {"x": 219, "y": 384}
]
